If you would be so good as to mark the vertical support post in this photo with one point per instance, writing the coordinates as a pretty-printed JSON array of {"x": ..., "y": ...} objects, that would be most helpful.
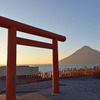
[
  {"x": 11, "y": 65},
  {"x": 55, "y": 67}
]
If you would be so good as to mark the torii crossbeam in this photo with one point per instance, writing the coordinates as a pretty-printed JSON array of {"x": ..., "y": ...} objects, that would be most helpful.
[{"x": 13, "y": 27}]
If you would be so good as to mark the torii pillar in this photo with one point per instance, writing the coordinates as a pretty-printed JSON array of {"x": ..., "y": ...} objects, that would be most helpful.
[
  {"x": 55, "y": 67},
  {"x": 11, "y": 65}
]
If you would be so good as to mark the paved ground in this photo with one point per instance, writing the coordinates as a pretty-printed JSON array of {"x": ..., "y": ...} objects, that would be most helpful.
[{"x": 84, "y": 88}]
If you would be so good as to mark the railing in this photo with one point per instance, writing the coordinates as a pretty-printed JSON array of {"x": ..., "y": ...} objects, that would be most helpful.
[
  {"x": 39, "y": 77},
  {"x": 62, "y": 74}
]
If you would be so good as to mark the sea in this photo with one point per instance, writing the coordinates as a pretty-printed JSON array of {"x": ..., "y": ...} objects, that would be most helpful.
[{"x": 48, "y": 67}]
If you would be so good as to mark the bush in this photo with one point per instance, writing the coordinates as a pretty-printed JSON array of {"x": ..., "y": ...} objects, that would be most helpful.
[{"x": 85, "y": 67}]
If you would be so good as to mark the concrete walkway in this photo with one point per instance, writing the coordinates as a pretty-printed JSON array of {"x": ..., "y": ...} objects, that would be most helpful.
[{"x": 83, "y": 88}]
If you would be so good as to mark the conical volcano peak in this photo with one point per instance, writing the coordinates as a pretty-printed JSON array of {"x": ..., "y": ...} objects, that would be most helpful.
[
  {"x": 85, "y": 55},
  {"x": 86, "y": 47}
]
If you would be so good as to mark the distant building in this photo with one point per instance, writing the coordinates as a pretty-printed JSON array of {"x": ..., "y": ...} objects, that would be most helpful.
[{"x": 20, "y": 70}]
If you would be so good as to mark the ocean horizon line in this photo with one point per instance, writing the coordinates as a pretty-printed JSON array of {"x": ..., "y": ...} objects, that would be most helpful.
[{"x": 47, "y": 64}]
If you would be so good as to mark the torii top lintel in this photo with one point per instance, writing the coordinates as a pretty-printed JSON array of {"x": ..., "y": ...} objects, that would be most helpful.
[{"x": 8, "y": 23}]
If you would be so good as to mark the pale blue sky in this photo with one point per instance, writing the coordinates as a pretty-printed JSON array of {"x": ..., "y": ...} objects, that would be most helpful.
[{"x": 78, "y": 20}]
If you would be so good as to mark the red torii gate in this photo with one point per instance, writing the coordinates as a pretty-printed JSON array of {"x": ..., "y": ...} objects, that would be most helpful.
[{"x": 14, "y": 26}]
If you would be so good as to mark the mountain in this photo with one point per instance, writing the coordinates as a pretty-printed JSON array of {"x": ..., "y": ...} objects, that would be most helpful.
[{"x": 85, "y": 55}]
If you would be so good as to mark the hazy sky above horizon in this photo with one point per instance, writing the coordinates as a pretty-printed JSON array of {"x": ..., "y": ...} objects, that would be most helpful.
[{"x": 78, "y": 20}]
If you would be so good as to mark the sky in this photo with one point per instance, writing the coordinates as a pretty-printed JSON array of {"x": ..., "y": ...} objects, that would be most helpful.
[{"x": 78, "y": 20}]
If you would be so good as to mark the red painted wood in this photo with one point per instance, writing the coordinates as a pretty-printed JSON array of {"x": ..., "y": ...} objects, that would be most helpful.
[
  {"x": 33, "y": 43},
  {"x": 11, "y": 61},
  {"x": 11, "y": 65},
  {"x": 55, "y": 67}
]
